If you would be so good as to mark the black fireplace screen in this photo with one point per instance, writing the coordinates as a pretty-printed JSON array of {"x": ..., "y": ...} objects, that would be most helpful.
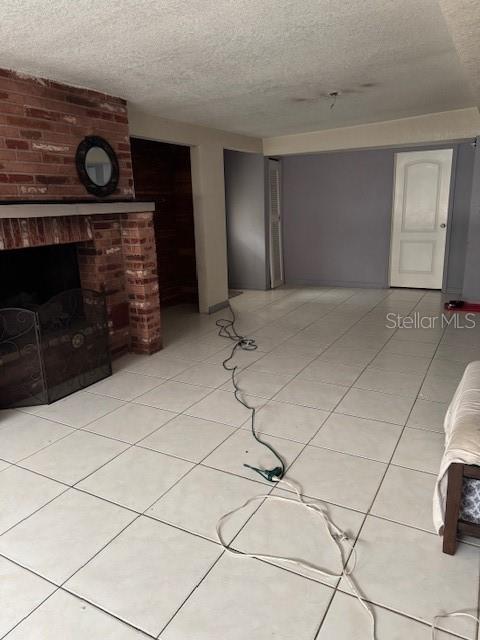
[{"x": 52, "y": 350}]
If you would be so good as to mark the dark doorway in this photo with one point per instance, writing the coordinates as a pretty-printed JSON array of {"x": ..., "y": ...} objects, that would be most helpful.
[{"x": 162, "y": 174}]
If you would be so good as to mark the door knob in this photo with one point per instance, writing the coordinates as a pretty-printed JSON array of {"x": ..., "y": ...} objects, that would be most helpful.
[{"x": 443, "y": 225}]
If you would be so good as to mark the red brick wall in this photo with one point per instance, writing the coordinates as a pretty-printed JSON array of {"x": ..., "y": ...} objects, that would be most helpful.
[
  {"x": 102, "y": 269},
  {"x": 122, "y": 262},
  {"x": 41, "y": 124},
  {"x": 141, "y": 280},
  {"x": 17, "y": 233}
]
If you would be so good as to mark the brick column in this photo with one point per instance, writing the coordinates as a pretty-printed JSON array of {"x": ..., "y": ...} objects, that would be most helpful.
[
  {"x": 141, "y": 281},
  {"x": 102, "y": 269}
]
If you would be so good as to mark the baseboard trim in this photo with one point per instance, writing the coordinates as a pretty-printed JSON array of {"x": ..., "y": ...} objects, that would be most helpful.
[
  {"x": 453, "y": 292},
  {"x": 337, "y": 283},
  {"x": 217, "y": 307}
]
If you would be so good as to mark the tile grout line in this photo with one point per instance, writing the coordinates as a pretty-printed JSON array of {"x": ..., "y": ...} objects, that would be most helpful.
[
  {"x": 224, "y": 552},
  {"x": 218, "y": 559},
  {"x": 126, "y": 450},
  {"x": 246, "y": 421},
  {"x": 364, "y": 519},
  {"x": 200, "y": 463},
  {"x": 74, "y": 430},
  {"x": 70, "y": 593},
  {"x": 332, "y": 411},
  {"x": 82, "y": 428},
  {"x": 289, "y": 466},
  {"x": 368, "y": 514}
]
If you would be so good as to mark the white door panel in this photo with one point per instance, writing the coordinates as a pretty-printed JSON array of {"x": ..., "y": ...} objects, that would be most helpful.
[{"x": 420, "y": 211}]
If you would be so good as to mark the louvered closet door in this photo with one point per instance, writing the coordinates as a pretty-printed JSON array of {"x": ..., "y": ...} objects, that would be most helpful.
[{"x": 276, "y": 255}]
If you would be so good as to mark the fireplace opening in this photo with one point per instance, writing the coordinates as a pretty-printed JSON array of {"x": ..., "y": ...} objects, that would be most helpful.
[
  {"x": 53, "y": 334},
  {"x": 30, "y": 277}
]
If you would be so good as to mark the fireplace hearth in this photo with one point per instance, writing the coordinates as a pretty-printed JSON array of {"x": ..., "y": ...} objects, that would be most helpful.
[{"x": 51, "y": 350}]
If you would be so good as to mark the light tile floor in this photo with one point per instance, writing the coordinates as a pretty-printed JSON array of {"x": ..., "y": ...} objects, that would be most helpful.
[{"x": 109, "y": 498}]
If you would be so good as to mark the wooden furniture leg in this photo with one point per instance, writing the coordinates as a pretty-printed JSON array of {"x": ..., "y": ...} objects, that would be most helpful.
[{"x": 452, "y": 507}]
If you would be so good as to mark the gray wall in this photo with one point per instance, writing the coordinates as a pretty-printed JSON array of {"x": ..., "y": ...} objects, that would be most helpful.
[
  {"x": 336, "y": 218},
  {"x": 471, "y": 287},
  {"x": 246, "y": 221},
  {"x": 459, "y": 218},
  {"x": 337, "y": 210}
]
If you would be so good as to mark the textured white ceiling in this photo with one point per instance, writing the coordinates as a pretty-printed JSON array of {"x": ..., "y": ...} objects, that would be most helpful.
[
  {"x": 463, "y": 20},
  {"x": 261, "y": 67}
]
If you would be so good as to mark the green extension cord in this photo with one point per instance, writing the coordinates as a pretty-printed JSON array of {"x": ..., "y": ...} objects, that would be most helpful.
[{"x": 227, "y": 330}]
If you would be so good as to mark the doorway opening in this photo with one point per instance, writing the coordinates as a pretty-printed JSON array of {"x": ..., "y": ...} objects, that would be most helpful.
[
  {"x": 253, "y": 221},
  {"x": 162, "y": 174}
]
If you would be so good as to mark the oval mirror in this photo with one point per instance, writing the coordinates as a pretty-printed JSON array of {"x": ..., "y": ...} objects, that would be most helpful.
[{"x": 97, "y": 166}]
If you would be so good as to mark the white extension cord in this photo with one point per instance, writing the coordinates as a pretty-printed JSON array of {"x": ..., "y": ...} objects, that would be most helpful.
[
  {"x": 337, "y": 536},
  {"x": 452, "y": 614}
]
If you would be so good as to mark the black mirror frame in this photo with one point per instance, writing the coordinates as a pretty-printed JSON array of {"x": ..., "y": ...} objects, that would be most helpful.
[{"x": 100, "y": 191}]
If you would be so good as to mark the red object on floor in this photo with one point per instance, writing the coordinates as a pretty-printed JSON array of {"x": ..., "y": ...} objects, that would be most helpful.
[{"x": 463, "y": 306}]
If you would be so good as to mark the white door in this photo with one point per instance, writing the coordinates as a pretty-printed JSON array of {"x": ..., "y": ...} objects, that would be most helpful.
[
  {"x": 420, "y": 211},
  {"x": 275, "y": 224}
]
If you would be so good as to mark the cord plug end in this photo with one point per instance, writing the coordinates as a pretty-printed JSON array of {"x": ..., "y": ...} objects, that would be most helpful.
[
  {"x": 276, "y": 473},
  {"x": 268, "y": 474}
]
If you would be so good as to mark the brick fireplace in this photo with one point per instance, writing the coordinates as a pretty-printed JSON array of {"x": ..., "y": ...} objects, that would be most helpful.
[
  {"x": 43, "y": 202},
  {"x": 116, "y": 255}
]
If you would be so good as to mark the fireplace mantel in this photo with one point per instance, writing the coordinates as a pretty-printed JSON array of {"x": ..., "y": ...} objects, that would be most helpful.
[{"x": 50, "y": 210}]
